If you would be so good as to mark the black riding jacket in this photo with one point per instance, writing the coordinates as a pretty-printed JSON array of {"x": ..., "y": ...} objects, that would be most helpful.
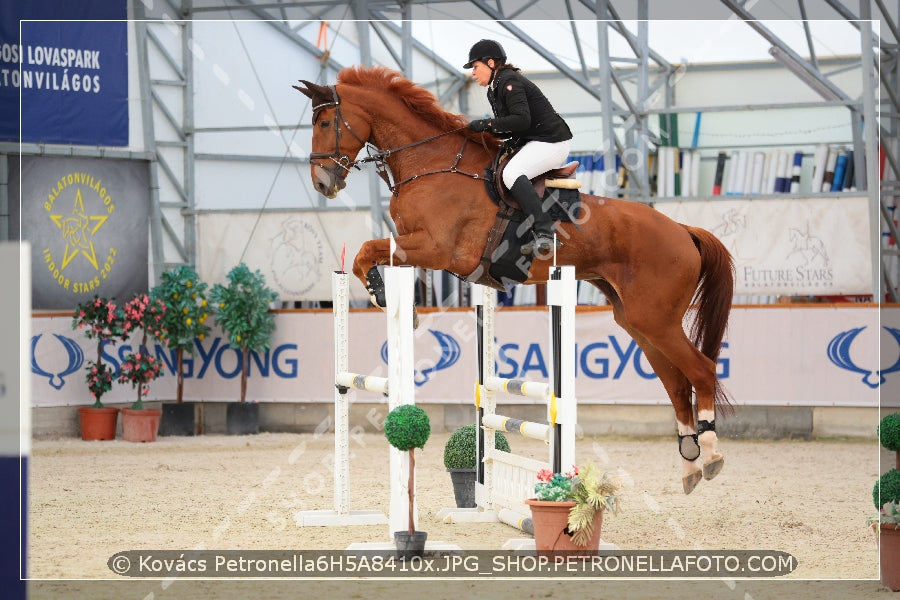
[{"x": 522, "y": 112}]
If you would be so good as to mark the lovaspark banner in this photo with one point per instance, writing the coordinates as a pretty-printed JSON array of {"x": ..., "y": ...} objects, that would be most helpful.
[
  {"x": 773, "y": 355},
  {"x": 295, "y": 251},
  {"x": 805, "y": 246},
  {"x": 87, "y": 221},
  {"x": 68, "y": 59}
]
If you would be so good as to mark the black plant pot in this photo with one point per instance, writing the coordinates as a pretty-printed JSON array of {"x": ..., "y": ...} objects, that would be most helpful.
[
  {"x": 410, "y": 546},
  {"x": 178, "y": 418},
  {"x": 463, "y": 487},
  {"x": 242, "y": 418}
]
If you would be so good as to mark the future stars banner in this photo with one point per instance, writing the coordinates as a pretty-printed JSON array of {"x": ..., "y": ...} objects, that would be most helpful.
[{"x": 87, "y": 221}]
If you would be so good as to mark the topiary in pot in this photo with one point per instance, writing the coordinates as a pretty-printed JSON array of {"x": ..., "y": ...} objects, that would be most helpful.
[
  {"x": 242, "y": 310},
  {"x": 187, "y": 310},
  {"x": 459, "y": 459},
  {"x": 460, "y": 449},
  {"x": 889, "y": 434},
  {"x": 406, "y": 428},
  {"x": 886, "y": 497}
]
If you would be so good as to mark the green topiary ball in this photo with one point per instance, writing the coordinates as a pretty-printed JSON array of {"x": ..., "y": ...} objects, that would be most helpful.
[
  {"x": 889, "y": 487},
  {"x": 889, "y": 432},
  {"x": 406, "y": 427},
  {"x": 460, "y": 450}
]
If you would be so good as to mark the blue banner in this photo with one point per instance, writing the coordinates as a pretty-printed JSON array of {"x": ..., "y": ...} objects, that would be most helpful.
[{"x": 71, "y": 72}]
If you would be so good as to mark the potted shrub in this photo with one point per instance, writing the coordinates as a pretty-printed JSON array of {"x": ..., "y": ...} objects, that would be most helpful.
[
  {"x": 567, "y": 510},
  {"x": 143, "y": 317},
  {"x": 406, "y": 428},
  {"x": 459, "y": 459},
  {"x": 242, "y": 310},
  {"x": 886, "y": 497},
  {"x": 187, "y": 309},
  {"x": 100, "y": 319}
]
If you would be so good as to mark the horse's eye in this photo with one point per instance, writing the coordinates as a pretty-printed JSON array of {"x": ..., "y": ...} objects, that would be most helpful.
[{"x": 325, "y": 124}]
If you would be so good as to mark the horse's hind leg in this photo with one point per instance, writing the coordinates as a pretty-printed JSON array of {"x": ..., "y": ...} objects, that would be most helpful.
[{"x": 677, "y": 387}]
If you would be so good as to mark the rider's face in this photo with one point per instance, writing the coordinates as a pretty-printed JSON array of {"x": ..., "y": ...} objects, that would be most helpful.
[{"x": 481, "y": 72}]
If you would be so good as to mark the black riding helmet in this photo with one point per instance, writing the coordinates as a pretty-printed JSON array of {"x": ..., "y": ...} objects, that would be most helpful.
[{"x": 483, "y": 50}]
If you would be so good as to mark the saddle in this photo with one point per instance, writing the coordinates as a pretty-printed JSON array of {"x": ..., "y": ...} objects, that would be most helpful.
[{"x": 502, "y": 263}]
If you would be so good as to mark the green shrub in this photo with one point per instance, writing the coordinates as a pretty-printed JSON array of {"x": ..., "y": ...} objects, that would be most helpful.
[
  {"x": 406, "y": 427},
  {"x": 460, "y": 450},
  {"x": 887, "y": 489},
  {"x": 889, "y": 432}
]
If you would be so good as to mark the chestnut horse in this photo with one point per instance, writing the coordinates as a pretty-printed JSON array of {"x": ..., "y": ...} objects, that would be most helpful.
[{"x": 649, "y": 267}]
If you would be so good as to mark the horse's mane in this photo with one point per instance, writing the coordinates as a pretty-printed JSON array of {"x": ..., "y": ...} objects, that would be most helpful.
[{"x": 419, "y": 100}]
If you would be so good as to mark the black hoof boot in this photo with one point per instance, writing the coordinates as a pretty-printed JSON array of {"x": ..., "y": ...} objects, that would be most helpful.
[{"x": 375, "y": 287}]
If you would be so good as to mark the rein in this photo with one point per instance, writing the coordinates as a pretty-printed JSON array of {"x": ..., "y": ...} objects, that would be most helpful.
[{"x": 377, "y": 155}]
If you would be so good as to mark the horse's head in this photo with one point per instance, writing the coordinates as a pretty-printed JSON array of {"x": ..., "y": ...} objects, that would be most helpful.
[{"x": 333, "y": 151}]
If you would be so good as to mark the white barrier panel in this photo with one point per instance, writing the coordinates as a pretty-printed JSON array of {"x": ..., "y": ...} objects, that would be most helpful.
[
  {"x": 775, "y": 355},
  {"x": 797, "y": 246}
]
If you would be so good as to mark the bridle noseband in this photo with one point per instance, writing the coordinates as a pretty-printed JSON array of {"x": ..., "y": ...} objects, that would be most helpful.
[{"x": 375, "y": 155}]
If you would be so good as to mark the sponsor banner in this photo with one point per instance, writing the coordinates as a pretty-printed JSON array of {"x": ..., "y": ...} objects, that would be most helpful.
[
  {"x": 296, "y": 252},
  {"x": 70, "y": 66},
  {"x": 87, "y": 221},
  {"x": 792, "y": 247},
  {"x": 822, "y": 356}
]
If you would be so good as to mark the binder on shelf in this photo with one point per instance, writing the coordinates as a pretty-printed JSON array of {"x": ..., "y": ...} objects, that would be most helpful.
[
  {"x": 850, "y": 173},
  {"x": 782, "y": 182},
  {"x": 756, "y": 179},
  {"x": 686, "y": 173},
  {"x": 828, "y": 175},
  {"x": 820, "y": 158},
  {"x": 720, "y": 173},
  {"x": 840, "y": 168},
  {"x": 695, "y": 172},
  {"x": 676, "y": 171},
  {"x": 741, "y": 174},
  {"x": 795, "y": 173}
]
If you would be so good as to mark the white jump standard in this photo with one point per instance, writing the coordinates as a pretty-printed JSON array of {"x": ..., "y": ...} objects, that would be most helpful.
[
  {"x": 398, "y": 386},
  {"x": 505, "y": 480}
]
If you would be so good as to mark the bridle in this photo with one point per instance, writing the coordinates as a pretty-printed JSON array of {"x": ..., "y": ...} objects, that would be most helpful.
[{"x": 376, "y": 155}]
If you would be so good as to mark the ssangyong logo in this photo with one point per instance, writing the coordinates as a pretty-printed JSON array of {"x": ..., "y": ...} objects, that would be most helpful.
[
  {"x": 449, "y": 354},
  {"x": 839, "y": 354},
  {"x": 74, "y": 356}
]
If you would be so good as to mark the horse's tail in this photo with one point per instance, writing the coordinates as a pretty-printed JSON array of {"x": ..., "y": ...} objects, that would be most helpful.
[{"x": 712, "y": 299}]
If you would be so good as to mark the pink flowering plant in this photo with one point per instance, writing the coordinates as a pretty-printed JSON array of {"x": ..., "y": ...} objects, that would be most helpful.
[
  {"x": 590, "y": 490},
  {"x": 102, "y": 320},
  {"x": 140, "y": 368}
]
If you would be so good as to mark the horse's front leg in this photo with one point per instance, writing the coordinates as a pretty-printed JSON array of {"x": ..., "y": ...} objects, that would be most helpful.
[{"x": 415, "y": 249}]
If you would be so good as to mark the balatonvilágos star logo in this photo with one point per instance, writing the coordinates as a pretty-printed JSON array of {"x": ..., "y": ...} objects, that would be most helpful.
[
  {"x": 78, "y": 230},
  {"x": 86, "y": 260}
]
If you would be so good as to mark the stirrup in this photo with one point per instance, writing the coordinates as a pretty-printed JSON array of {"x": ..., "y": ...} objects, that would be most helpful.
[{"x": 542, "y": 244}]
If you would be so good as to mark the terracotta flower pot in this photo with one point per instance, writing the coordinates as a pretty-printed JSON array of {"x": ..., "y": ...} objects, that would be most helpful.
[
  {"x": 140, "y": 425},
  {"x": 889, "y": 548},
  {"x": 98, "y": 423},
  {"x": 551, "y": 521}
]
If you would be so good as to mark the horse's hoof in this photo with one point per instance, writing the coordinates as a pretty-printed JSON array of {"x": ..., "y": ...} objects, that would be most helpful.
[
  {"x": 712, "y": 468},
  {"x": 691, "y": 480}
]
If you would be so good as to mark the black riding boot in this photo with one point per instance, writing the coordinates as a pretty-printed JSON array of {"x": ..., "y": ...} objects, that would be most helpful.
[{"x": 542, "y": 227}]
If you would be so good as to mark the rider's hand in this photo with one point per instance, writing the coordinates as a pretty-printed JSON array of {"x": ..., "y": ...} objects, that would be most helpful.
[{"x": 479, "y": 125}]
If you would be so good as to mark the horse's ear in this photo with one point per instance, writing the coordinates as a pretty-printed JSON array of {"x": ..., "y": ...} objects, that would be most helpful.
[{"x": 312, "y": 90}]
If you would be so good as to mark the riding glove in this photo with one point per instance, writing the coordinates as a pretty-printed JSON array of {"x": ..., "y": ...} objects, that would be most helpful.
[{"x": 479, "y": 125}]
